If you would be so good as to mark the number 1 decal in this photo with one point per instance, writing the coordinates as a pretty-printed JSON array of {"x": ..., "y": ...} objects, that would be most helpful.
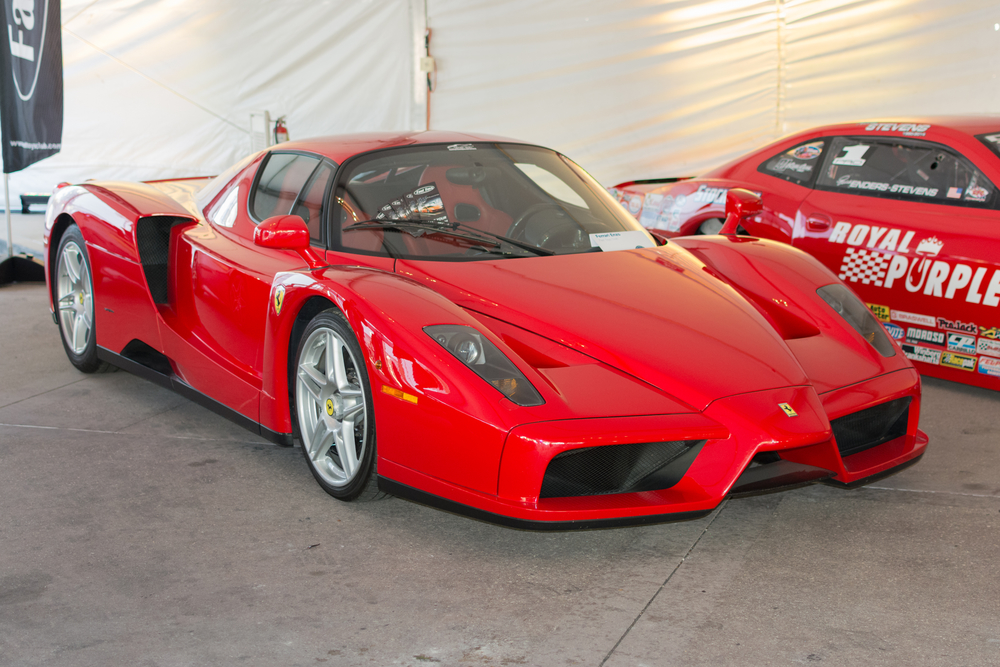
[{"x": 853, "y": 156}]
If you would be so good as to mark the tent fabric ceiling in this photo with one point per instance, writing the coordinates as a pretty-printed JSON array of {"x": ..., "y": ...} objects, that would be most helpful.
[{"x": 629, "y": 88}]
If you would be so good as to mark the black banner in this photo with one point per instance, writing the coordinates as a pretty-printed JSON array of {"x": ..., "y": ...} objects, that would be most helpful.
[{"x": 31, "y": 83}]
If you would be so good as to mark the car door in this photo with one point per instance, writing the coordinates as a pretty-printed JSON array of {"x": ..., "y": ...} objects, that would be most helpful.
[
  {"x": 911, "y": 225},
  {"x": 223, "y": 280}
]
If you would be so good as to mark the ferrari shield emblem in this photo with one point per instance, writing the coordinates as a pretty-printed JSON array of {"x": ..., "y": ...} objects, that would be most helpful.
[
  {"x": 279, "y": 298},
  {"x": 788, "y": 409}
]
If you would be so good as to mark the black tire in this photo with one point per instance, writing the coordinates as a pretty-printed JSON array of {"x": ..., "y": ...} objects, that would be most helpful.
[
  {"x": 710, "y": 226},
  {"x": 334, "y": 420},
  {"x": 73, "y": 292}
]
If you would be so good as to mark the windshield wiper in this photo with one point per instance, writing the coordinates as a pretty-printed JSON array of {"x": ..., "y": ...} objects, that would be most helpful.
[{"x": 418, "y": 228}]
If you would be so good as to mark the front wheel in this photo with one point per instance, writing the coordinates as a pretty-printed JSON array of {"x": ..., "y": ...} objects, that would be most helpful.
[{"x": 334, "y": 417}]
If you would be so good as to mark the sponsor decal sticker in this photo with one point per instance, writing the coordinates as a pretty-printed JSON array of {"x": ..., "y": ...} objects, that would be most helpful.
[
  {"x": 915, "y": 335},
  {"x": 886, "y": 257},
  {"x": 710, "y": 195},
  {"x": 954, "y": 193},
  {"x": 650, "y": 209},
  {"x": 907, "y": 129},
  {"x": 784, "y": 164},
  {"x": 962, "y": 343},
  {"x": 990, "y": 332},
  {"x": 988, "y": 346},
  {"x": 913, "y": 318},
  {"x": 279, "y": 299},
  {"x": 976, "y": 193},
  {"x": 925, "y": 355},
  {"x": 853, "y": 156},
  {"x": 956, "y": 325},
  {"x": 634, "y": 204},
  {"x": 989, "y": 366},
  {"x": 959, "y": 361},
  {"x": 788, "y": 409},
  {"x": 881, "y": 312},
  {"x": 461, "y": 147},
  {"x": 808, "y": 152},
  {"x": 894, "y": 330}
]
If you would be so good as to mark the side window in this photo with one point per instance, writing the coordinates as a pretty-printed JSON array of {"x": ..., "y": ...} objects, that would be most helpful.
[
  {"x": 903, "y": 169},
  {"x": 223, "y": 213},
  {"x": 310, "y": 202},
  {"x": 281, "y": 178},
  {"x": 798, "y": 164}
]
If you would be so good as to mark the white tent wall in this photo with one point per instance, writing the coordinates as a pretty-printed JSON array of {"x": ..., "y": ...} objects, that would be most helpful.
[
  {"x": 629, "y": 88},
  {"x": 642, "y": 89},
  {"x": 164, "y": 88}
]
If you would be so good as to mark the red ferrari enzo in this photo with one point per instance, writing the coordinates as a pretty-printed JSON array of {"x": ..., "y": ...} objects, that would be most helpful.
[
  {"x": 475, "y": 324},
  {"x": 906, "y": 213}
]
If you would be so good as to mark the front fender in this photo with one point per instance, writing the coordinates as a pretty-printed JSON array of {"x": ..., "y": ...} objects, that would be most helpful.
[
  {"x": 448, "y": 422},
  {"x": 781, "y": 281}
]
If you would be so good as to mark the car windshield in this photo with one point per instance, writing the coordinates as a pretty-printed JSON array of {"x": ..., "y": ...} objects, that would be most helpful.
[{"x": 474, "y": 201}]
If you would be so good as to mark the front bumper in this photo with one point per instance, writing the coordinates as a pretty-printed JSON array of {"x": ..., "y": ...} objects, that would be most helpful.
[{"x": 729, "y": 434}]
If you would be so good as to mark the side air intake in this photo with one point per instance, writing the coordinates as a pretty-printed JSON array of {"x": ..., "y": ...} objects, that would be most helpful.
[
  {"x": 594, "y": 471},
  {"x": 871, "y": 427},
  {"x": 152, "y": 237}
]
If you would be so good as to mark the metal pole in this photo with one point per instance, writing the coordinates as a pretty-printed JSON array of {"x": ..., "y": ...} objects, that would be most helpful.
[{"x": 6, "y": 201}]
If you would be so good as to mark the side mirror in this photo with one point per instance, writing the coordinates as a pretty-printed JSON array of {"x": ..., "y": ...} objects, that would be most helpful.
[
  {"x": 287, "y": 232},
  {"x": 741, "y": 207},
  {"x": 282, "y": 232}
]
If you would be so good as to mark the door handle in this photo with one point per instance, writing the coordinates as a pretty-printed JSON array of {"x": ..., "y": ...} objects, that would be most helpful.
[{"x": 818, "y": 222}]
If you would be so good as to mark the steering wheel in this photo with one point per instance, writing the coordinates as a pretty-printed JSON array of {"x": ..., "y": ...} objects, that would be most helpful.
[
  {"x": 518, "y": 227},
  {"x": 566, "y": 235}
]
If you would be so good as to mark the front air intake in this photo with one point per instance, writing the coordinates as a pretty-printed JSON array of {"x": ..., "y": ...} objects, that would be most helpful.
[
  {"x": 596, "y": 471},
  {"x": 871, "y": 427}
]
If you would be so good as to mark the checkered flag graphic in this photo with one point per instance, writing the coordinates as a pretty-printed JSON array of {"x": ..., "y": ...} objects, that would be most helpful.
[{"x": 866, "y": 267}]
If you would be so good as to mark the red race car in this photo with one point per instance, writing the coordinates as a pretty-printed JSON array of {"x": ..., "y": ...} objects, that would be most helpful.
[
  {"x": 904, "y": 212},
  {"x": 475, "y": 323}
]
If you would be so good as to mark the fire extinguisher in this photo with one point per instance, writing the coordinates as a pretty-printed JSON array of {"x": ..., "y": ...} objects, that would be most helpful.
[{"x": 280, "y": 131}]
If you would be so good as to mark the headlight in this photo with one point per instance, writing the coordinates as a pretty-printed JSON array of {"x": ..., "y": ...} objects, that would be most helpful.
[
  {"x": 485, "y": 360},
  {"x": 858, "y": 316}
]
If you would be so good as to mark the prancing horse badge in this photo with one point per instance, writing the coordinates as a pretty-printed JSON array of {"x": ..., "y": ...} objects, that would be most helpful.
[
  {"x": 279, "y": 298},
  {"x": 788, "y": 409}
]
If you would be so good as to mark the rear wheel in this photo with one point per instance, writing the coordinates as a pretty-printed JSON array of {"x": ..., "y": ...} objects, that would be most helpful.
[
  {"x": 74, "y": 293},
  {"x": 334, "y": 417}
]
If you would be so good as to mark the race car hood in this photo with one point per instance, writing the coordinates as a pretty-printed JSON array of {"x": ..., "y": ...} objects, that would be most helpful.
[{"x": 654, "y": 313}]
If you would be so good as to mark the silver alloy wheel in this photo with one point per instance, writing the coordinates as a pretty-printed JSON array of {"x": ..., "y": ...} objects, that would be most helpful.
[
  {"x": 330, "y": 403},
  {"x": 75, "y": 298}
]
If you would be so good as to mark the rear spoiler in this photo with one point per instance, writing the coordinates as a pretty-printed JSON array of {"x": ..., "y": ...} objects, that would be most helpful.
[{"x": 654, "y": 181}]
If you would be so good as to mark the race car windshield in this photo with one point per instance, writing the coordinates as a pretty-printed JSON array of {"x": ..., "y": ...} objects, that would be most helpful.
[{"x": 528, "y": 197}]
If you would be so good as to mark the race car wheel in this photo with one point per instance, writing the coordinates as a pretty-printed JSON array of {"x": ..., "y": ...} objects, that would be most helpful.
[
  {"x": 334, "y": 417},
  {"x": 75, "y": 303},
  {"x": 710, "y": 226}
]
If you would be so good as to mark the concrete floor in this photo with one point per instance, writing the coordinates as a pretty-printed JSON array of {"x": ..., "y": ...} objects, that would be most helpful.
[{"x": 139, "y": 529}]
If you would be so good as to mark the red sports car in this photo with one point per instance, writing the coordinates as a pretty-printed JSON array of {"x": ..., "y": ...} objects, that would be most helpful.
[
  {"x": 906, "y": 213},
  {"x": 475, "y": 323}
]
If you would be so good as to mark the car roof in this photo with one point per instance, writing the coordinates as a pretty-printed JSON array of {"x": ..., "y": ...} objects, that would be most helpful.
[
  {"x": 971, "y": 125},
  {"x": 341, "y": 147}
]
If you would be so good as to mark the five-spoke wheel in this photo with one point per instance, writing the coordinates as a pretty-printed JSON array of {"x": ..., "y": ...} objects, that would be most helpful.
[
  {"x": 333, "y": 407},
  {"x": 74, "y": 297}
]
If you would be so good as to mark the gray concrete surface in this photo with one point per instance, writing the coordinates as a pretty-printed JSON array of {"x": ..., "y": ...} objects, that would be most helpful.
[{"x": 139, "y": 529}]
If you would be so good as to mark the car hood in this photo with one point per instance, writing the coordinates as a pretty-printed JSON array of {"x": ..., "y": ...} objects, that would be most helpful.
[{"x": 656, "y": 314}]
